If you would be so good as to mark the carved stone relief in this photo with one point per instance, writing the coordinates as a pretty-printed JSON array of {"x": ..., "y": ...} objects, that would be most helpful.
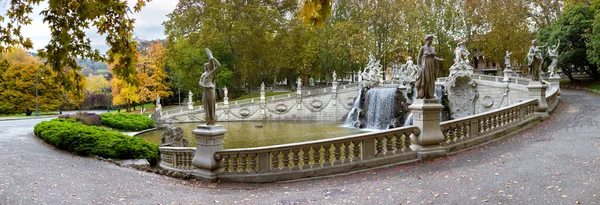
[
  {"x": 244, "y": 112},
  {"x": 316, "y": 104},
  {"x": 281, "y": 108},
  {"x": 462, "y": 95}
]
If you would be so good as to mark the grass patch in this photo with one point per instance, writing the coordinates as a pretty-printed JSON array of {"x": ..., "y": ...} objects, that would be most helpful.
[
  {"x": 256, "y": 95},
  {"x": 127, "y": 122},
  {"x": 583, "y": 83},
  {"x": 70, "y": 135}
]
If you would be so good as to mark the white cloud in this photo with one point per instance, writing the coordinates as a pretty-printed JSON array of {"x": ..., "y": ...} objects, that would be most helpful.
[{"x": 148, "y": 24}]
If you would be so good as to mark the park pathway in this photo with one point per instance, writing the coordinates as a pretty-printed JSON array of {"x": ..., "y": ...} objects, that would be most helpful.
[{"x": 554, "y": 162}]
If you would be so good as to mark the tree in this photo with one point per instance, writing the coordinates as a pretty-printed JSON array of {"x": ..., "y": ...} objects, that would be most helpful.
[
  {"x": 151, "y": 73},
  {"x": 68, "y": 21},
  {"x": 574, "y": 29},
  {"x": 18, "y": 72}
]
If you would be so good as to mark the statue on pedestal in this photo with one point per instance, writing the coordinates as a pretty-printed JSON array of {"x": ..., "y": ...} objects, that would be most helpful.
[
  {"x": 225, "y": 91},
  {"x": 190, "y": 100},
  {"x": 535, "y": 60},
  {"x": 554, "y": 56},
  {"x": 334, "y": 76},
  {"x": 299, "y": 86},
  {"x": 427, "y": 61},
  {"x": 207, "y": 81},
  {"x": 158, "y": 106},
  {"x": 507, "y": 59}
]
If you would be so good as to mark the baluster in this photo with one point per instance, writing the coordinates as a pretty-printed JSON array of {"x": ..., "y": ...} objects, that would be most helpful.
[
  {"x": 356, "y": 154},
  {"x": 389, "y": 146},
  {"x": 235, "y": 163},
  {"x": 379, "y": 146},
  {"x": 458, "y": 132},
  {"x": 306, "y": 158},
  {"x": 481, "y": 125},
  {"x": 286, "y": 159},
  {"x": 347, "y": 151},
  {"x": 252, "y": 163},
  {"x": 275, "y": 160},
  {"x": 295, "y": 159},
  {"x": 337, "y": 153},
  {"x": 326, "y": 155},
  {"x": 226, "y": 163},
  {"x": 406, "y": 142},
  {"x": 243, "y": 166},
  {"x": 318, "y": 156},
  {"x": 398, "y": 143}
]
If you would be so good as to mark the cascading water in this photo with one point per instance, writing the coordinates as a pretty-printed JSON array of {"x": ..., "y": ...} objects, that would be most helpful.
[
  {"x": 381, "y": 110},
  {"x": 354, "y": 114}
]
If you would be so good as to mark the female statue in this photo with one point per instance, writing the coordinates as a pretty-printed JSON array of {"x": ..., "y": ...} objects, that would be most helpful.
[
  {"x": 427, "y": 61},
  {"x": 534, "y": 56},
  {"x": 207, "y": 81},
  {"x": 554, "y": 56}
]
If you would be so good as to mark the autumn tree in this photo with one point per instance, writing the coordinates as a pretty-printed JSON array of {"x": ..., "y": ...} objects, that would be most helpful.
[
  {"x": 18, "y": 72},
  {"x": 68, "y": 21},
  {"x": 152, "y": 76}
]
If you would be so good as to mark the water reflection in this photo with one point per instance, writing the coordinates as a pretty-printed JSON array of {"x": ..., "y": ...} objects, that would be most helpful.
[{"x": 246, "y": 134}]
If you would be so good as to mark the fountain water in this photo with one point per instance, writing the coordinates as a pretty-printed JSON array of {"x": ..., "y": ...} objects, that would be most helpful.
[
  {"x": 382, "y": 108},
  {"x": 354, "y": 114}
]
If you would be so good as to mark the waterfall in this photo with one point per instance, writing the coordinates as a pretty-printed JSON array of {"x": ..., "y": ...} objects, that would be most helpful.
[
  {"x": 354, "y": 113},
  {"x": 409, "y": 120},
  {"x": 381, "y": 107}
]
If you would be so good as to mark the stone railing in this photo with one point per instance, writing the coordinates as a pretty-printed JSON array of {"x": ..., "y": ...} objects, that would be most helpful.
[
  {"x": 473, "y": 130},
  {"x": 177, "y": 158},
  {"x": 316, "y": 158},
  {"x": 552, "y": 99}
]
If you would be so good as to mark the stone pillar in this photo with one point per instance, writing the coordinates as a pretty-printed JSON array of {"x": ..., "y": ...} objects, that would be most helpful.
[
  {"x": 426, "y": 116},
  {"x": 334, "y": 91},
  {"x": 555, "y": 83},
  {"x": 537, "y": 90},
  {"x": 209, "y": 140},
  {"x": 263, "y": 103},
  {"x": 507, "y": 74}
]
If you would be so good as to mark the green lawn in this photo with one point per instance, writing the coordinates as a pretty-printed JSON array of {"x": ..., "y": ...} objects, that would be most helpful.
[{"x": 256, "y": 95}]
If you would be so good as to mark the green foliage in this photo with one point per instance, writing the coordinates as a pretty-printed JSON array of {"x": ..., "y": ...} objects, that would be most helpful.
[
  {"x": 68, "y": 21},
  {"x": 127, "y": 122},
  {"x": 573, "y": 29},
  {"x": 72, "y": 136}
]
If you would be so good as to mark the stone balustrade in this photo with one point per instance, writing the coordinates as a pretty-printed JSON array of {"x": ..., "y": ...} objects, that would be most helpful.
[
  {"x": 481, "y": 124},
  {"x": 315, "y": 158},
  {"x": 363, "y": 151},
  {"x": 177, "y": 158}
]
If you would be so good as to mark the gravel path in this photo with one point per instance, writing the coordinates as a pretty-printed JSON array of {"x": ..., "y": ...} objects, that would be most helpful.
[{"x": 554, "y": 162}]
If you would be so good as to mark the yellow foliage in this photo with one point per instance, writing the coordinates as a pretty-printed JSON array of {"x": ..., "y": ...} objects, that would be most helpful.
[{"x": 96, "y": 83}]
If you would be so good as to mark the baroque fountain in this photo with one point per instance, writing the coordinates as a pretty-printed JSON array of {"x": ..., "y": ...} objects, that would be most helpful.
[{"x": 476, "y": 108}]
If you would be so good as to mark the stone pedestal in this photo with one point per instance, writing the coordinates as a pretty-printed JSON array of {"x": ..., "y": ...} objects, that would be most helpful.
[
  {"x": 426, "y": 116},
  {"x": 209, "y": 140},
  {"x": 507, "y": 74},
  {"x": 555, "y": 82},
  {"x": 190, "y": 105},
  {"x": 537, "y": 90}
]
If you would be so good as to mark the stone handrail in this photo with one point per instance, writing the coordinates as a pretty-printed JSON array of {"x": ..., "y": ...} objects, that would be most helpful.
[
  {"x": 177, "y": 158},
  {"x": 552, "y": 99},
  {"x": 482, "y": 124},
  {"x": 329, "y": 156}
]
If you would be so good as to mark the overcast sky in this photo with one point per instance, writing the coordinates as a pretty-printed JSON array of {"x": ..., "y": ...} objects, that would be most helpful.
[{"x": 148, "y": 24}]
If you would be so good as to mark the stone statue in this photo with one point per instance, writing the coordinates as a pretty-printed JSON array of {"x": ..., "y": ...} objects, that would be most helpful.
[
  {"x": 207, "y": 81},
  {"x": 262, "y": 86},
  {"x": 461, "y": 54},
  {"x": 554, "y": 56},
  {"x": 158, "y": 106},
  {"x": 299, "y": 86},
  {"x": 427, "y": 61},
  {"x": 225, "y": 91},
  {"x": 334, "y": 76},
  {"x": 173, "y": 137},
  {"x": 507, "y": 59},
  {"x": 190, "y": 100},
  {"x": 534, "y": 56}
]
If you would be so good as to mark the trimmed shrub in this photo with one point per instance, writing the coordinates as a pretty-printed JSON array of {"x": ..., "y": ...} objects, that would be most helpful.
[
  {"x": 127, "y": 122},
  {"x": 70, "y": 135},
  {"x": 85, "y": 118}
]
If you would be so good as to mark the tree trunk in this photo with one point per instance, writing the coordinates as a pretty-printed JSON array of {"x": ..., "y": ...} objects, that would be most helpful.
[{"x": 28, "y": 112}]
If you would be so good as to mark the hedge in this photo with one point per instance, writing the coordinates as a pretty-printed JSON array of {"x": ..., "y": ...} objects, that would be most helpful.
[
  {"x": 70, "y": 135},
  {"x": 127, "y": 122}
]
